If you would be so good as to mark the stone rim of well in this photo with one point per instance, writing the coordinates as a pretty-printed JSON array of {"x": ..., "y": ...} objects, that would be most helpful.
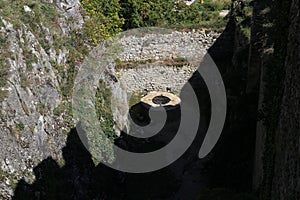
[{"x": 171, "y": 100}]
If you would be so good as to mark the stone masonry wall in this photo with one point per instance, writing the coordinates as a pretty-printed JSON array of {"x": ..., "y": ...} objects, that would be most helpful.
[
  {"x": 166, "y": 45},
  {"x": 157, "y": 47}
]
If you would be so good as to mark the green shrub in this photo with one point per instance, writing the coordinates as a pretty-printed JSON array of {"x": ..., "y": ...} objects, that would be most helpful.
[
  {"x": 217, "y": 5},
  {"x": 103, "y": 110},
  {"x": 169, "y": 13},
  {"x": 61, "y": 108},
  {"x": 20, "y": 126},
  {"x": 180, "y": 59},
  {"x": 41, "y": 108},
  {"x": 102, "y": 19}
]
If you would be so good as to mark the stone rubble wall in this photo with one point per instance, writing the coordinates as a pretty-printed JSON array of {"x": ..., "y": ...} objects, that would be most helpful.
[
  {"x": 155, "y": 78},
  {"x": 169, "y": 45},
  {"x": 191, "y": 45}
]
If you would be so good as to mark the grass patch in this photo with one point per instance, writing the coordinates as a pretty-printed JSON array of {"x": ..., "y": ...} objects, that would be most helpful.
[
  {"x": 30, "y": 58},
  {"x": 217, "y": 5},
  {"x": 243, "y": 16},
  {"x": 63, "y": 108},
  {"x": 135, "y": 98},
  {"x": 41, "y": 108},
  {"x": 24, "y": 80},
  {"x": 77, "y": 51},
  {"x": 5, "y": 176}
]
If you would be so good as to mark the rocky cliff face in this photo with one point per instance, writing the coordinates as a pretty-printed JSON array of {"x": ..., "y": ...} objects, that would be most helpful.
[
  {"x": 266, "y": 68},
  {"x": 262, "y": 90},
  {"x": 34, "y": 103},
  {"x": 286, "y": 183},
  {"x": 266, "y": 71},
  {"x": 276, "y": 58}
]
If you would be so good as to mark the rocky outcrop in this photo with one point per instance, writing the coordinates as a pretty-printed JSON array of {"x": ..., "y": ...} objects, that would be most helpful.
[
  {"x": 267, "y": 69},
  {"x": 286, "y": 183},
  {"x": 279, "y": 137},
  {"x": 32, "y": 124},
  {"x": 231, "y": 160},
  {"x": 265, "y": 105},
  {"x": 273, "y": 80}
]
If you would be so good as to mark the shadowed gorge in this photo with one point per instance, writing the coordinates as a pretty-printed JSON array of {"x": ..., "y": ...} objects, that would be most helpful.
[
  {"x": 63, "y": 77},
  {"x": 228, "y": 166}
]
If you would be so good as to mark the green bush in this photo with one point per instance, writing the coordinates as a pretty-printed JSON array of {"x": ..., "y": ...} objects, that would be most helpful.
[
  {"x": 169, "y": 13},
  {"x": 20, "y": 127},
  {"x": 106, "y": 18},
  {"x": 102, "y": 19},
  {"x": 103, "y": 110},
  {"x": 217, "y": 5}
]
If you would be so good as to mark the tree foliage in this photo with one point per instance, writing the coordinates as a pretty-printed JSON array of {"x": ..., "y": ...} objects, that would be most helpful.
[
  {"x": 105, "y": 18},
  {"x": 102, "y": 19},
  {"x": 169, "y": 13}
]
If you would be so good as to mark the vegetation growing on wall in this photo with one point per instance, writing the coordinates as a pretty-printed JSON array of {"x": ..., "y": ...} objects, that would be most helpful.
[
  {"x": 175, "y": 62},
  {"x": 103, "y": 110},
  {"x": 243, "y": 16}
]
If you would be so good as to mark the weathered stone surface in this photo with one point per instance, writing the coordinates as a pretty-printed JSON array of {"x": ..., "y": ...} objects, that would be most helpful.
[
  {"x": 30, "y": 131},
  {"x": 169, "y": 45},
  {"x": 154, "y": 46},
  {"x": 286, "y": 180},
  {"x": 223, "y": 13},
  {"x": 155, "y": 78}
]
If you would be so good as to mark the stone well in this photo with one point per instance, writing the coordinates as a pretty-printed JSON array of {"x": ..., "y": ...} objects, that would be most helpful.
[{"x": 161, "y": 99}]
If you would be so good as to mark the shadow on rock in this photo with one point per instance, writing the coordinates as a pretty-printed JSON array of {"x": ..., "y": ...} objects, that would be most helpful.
[{"x": 77, "y": 179}]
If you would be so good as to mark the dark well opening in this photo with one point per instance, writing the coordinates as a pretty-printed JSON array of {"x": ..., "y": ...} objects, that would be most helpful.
[{"x": 161, "y": 99}]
